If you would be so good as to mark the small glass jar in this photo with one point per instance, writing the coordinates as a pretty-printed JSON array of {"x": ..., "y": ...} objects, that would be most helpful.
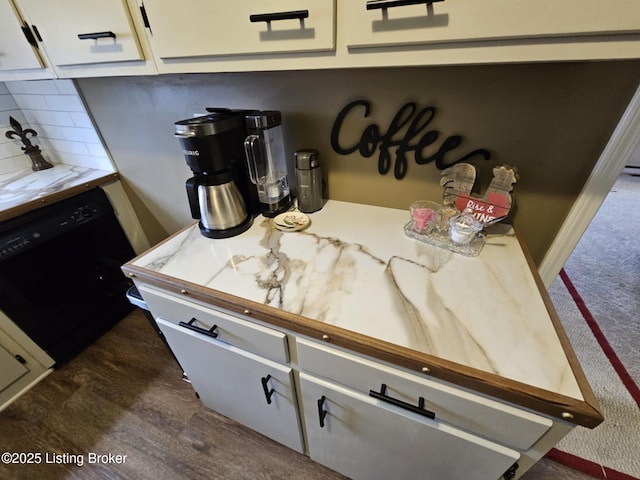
[
  {"x": 464, "y": 227},
  {"x": 446, "y": 212},
  {"x": 423, "y": 213}
]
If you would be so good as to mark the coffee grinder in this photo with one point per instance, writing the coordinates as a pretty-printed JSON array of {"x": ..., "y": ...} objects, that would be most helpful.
[{"x": 219, "y": 193}]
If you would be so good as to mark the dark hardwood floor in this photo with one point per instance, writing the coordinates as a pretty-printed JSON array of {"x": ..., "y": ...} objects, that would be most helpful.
[{"x": 124, "y": 396}]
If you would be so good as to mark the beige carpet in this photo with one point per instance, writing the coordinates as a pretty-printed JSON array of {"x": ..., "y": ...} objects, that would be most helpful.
[
  {"x": 604, "y": 271},
  {"x": 616, "y": 442}
]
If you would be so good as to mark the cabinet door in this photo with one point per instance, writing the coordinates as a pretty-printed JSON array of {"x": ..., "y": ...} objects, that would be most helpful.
[
  {"x": 221, "y": 27},
  {"x": 15, "y": 51},
  {"x": 471, "y": 20},
  {"x": 502, "y": 423},
  {"x": 366, "y": 438},
  {"x": 250, "y": 389},
  {"x": 11, "y": 369},
  {"x": 78, "y": 32},
  {"x": 19, "y": 375}
]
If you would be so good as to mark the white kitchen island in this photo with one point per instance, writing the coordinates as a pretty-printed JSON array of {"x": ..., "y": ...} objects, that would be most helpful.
[{"x": 460, "y": 363}]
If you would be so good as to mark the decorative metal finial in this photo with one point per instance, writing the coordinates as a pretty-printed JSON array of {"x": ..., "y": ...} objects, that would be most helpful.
[{"x": 37, "y": 161}]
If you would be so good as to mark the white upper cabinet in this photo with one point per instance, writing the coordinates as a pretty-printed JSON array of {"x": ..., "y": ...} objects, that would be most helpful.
[
  {"x": 76, "y": 32},
  {"x": 75, "y": 38},
  {"x": 18, "y": 45},
  {"x": 204, "y": 28},
  {"x": 88, "y": 38},
  {"x": 413, "y": 22}
]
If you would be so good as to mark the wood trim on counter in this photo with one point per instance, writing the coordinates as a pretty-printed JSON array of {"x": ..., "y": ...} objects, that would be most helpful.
[
  {"x": 585, "y": 413},
  {"x": 56, "y": 197},
  {"x": 585, "y": 388}
]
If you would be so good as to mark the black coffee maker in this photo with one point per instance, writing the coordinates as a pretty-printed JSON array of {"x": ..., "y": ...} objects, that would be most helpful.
[{"x": 220, "y": 194}]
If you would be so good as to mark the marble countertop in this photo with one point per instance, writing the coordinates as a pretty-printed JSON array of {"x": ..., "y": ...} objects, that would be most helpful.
[
  {"x": 24, "y": 190},
  {"x": 354, "y": 268}
]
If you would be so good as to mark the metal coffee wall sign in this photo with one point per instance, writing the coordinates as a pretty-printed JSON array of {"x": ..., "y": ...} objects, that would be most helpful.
[{"x": 411, "y": 134}]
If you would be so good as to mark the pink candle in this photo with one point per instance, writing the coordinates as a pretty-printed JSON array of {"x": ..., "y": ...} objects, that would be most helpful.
[
  {"x": 422, "y": 218},
  {"x": 423, "y": 212}
]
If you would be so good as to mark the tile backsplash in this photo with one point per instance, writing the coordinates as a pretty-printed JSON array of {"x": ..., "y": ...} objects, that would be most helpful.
[{"x": 54, "y": 109}]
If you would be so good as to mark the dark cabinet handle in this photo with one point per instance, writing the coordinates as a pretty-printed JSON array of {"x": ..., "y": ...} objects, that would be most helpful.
[
  {"x": 29, "y": 35},
  {"x": 267, "y": 393},
  {"x": 35, "y": 30},
  {"x": 210, "y": 333},
  {"x": 321, "y": 411},
  {"x": 509, "y": 474},
  {"x": 384, "y": 4},
  {"x": 420, "y": 410},
  {"x": 145, "y": 19},
  {"x": 272, "y": 17},
  {"x": 96, "y": 35}
]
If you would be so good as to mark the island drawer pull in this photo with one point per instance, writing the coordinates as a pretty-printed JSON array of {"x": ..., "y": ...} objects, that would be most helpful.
[
  {"x": 420, "y": 410},
  {"x": 267, "y": 393},
  {"x": 96, "y": 35},
  {"x": 384, "y": 4},
  {"x": 210, "y": 333},
  {"x": 321, "y": 411},
  {"x": 272, "y": 17}
]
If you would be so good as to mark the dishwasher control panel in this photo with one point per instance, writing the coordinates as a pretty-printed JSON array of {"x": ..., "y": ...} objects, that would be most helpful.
[{"x": 34, "y": 228}]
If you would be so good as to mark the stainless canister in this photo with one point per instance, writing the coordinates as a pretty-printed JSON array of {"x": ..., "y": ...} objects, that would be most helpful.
[{"x": 309, "y": 178}]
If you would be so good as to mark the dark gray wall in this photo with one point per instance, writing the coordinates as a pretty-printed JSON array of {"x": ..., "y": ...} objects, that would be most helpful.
[{"x": 551, "y": 121}]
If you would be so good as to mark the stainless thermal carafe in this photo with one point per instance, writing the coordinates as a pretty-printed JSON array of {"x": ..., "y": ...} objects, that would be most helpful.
[
  {"x": 216, "y": 201},
  {"x": 309, "y": 178}
]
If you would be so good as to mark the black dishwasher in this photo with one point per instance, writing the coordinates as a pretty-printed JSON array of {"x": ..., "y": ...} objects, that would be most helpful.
[{"x": 60, "y": 278}]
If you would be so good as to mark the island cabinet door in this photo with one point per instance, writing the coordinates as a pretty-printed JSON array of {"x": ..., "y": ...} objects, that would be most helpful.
[
  {"x": 12, "y": 367},
  {"x": 367, "y": 438},
  {"x": 248, "y": 388}
]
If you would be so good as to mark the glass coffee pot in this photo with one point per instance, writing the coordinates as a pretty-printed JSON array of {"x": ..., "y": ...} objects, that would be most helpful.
[{"x": 266, "y": 160}]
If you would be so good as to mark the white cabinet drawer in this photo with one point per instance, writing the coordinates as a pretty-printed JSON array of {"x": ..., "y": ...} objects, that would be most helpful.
[
  {"x": 368, "y": 439},
  {"x": 220, "y": 27},
  {"x": 231, "y": 330},
  {"x": 77, "y": 32},
  {"x": 245, "y": 387},
  {"x": 472, "y": 20},
  {"x": 482, "y": 416}
]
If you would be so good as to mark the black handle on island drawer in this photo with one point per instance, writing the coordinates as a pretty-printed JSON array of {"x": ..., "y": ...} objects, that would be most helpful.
[
  {"x": 322, "y": 413},
  {"x": 268, "y": 393},
  {"x": 272, "y": 17},
  {"x": 96, "y": 35},
  {"x": 420, "y": 410},
  {"x": 384, "y": 4},
  {"x": 210, "y": 333}
]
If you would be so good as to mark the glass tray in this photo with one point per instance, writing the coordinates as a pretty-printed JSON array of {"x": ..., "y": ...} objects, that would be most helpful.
[{"x": 438, "y": 239}]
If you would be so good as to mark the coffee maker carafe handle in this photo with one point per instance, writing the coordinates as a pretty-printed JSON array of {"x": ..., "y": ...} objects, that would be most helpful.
[
  {"x": 192, "y": 195},
  {"x": 253, "y": 153}
]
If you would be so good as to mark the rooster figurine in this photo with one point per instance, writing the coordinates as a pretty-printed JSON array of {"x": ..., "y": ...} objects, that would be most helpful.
[{"x": 458, "y": 181}]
